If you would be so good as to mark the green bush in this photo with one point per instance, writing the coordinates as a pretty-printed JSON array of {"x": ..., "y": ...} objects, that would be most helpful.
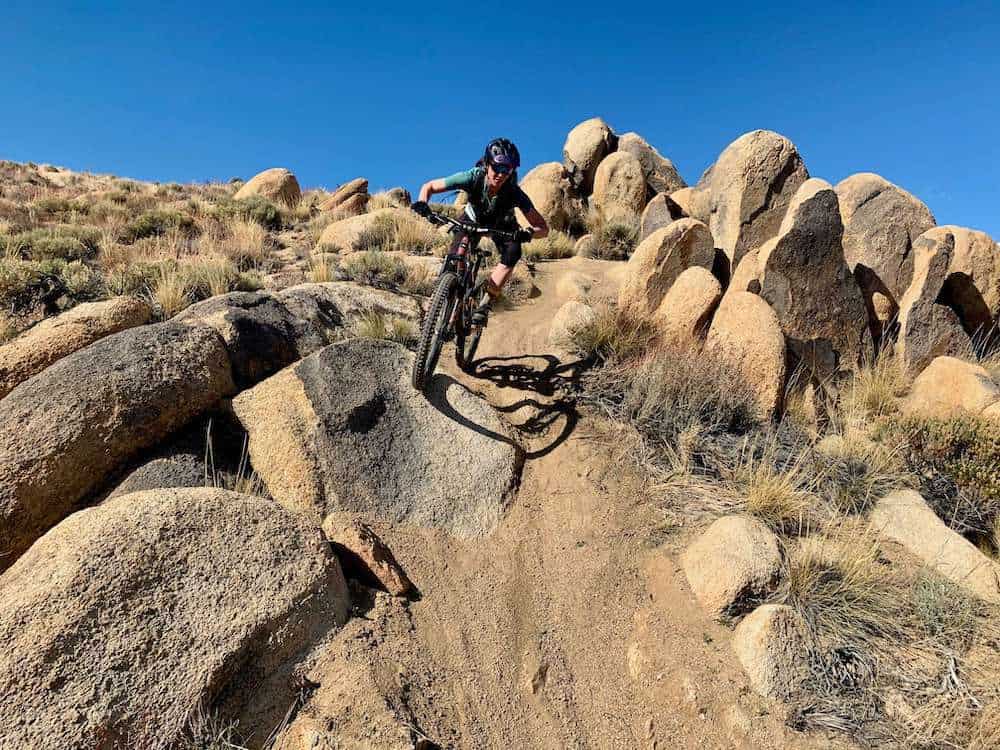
[
  {"x": 133, "y": 278},
  {"x": 254, "y": 208},
  {"x": 65, "y": 242},
  {"x": 378, "y": 236},
  {"x": 53, "y": 207},
  {"x": 156, "y": 223},
  {"x": 375, "y": 268}
]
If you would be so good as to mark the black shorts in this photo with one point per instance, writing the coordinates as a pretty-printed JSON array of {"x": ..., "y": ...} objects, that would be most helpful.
[{"x": 510, "y": 250}]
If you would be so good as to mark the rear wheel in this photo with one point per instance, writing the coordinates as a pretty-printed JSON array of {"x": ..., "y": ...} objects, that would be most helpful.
[
  {"x": 465, "y": 350},
  {"x": 439, "y": 314}
]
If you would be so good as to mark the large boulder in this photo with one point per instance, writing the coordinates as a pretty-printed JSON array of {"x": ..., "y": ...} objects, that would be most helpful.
[
  {"x": 751, "y": 185},
  {"x": 693, "y": 202},
  {"x": 341, "y": 236},
  {"x": 54, "y": 338},
  {"x": 926, "y": 328},
  {"x": 881, "y": 224},
  {"x": 261, "y": 334},
  {"x": 745, "y": 331},
  {"x": 586, "y": 145},
  {"x": 551, "y": 192},
  {"x": 355, "y": 191},
  {"x": 735, "y": 561},
  {"x": 949, "y": 386},
  {"x": 905, "y": 517},
  {"x": 65, "y": 431},
  {"x": 659, "y": 260},
  {"x": 128, "y": 619},
  {"x": 772, "y": 646},
  {"x": 277, "y": 185},
  {"x": 345, "y": 430},
  {"x": 619, "y": 186},
  {"x": 660, "y": 173},
  {"x": 331, "y": 306},
  {"x": 804, "y": 278},
  {"x": 684, "y": 315},
  {"x": 972, "y": 285},
  {"x": 179, "y": 470},
  {"x": 658, "y": 213}
]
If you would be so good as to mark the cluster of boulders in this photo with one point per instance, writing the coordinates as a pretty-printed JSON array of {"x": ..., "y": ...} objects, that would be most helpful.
[
  {"x": 777, "y": 271},
  {"x": 162, "y": 596},
  {"x": 737, "y": 563}
]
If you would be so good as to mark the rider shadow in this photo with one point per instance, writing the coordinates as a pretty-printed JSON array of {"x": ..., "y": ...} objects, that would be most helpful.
[{"x": 547, "y": 381}]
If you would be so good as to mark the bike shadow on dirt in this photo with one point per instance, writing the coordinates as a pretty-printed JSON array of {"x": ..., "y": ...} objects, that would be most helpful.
[{"x": 552, "y": 381}]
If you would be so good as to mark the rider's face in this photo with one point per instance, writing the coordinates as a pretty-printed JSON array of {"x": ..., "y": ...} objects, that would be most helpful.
[{"x": 495, "y": 179}]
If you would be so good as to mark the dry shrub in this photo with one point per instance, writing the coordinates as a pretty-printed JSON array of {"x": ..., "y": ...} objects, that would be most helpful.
[
  {"x": 382, "y": 199},
  {"x": 553, "y": 246},
  {"x": 321, "y": 270},
  {"x": 415, "y": 236},
  {"x": 157, "y": 223},
  {"x": 874, "y": 390},
  {"x": 239, "y": 240},
  {"x": 615, "y": 237},
  {"x": 170, "y": 291},
  {"x": 419, "y": 280},
  {"x": 376, "y": 325},
  {"x": 374, "y": 268},
  {"x": 612, "y": 335}
]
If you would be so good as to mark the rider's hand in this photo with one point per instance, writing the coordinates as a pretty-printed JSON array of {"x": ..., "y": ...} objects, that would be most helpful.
[
  {"x": 421, "y": 209},
  {"x": 524, "y": 234}
]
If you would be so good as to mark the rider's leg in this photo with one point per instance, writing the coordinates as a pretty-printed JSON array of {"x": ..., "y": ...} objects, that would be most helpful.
[{"x": 510, "y": 254}]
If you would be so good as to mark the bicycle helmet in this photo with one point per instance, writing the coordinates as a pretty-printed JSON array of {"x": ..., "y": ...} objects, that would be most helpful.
[{"x": 501, "y": 151}]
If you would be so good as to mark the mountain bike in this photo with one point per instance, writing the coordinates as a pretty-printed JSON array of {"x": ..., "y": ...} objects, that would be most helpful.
[{"x": 455, "y": 299}]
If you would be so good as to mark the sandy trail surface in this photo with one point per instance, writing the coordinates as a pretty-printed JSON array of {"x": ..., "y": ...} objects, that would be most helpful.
[{"x": 570, "y": 625}]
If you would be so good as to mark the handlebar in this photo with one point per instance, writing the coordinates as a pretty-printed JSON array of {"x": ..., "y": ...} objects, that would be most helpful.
[{"x": 473, "y": 229}]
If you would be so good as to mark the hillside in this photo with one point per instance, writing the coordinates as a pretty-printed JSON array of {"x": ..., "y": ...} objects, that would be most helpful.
[{"x": 724, "y": 473}]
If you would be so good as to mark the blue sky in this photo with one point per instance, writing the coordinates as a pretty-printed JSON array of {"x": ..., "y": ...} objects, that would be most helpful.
[{"x": 401, "y": 92}]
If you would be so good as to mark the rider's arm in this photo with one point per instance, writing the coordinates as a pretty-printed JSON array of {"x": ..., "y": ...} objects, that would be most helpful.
[
  {"x": 457, "y": 181},
  {"x": 535, "y": 219}
]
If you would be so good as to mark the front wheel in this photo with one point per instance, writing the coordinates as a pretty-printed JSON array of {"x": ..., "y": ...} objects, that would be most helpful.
[{"x": 432, "y": 334}]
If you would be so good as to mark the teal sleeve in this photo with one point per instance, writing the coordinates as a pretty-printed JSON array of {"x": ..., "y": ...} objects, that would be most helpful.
[{"x": 460, "y": 180}]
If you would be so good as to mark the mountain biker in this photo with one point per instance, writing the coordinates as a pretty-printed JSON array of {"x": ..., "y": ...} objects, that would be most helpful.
[{"x": 493, "y": 195}]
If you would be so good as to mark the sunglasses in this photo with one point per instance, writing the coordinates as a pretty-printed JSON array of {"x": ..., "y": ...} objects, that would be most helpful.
[{"x": 501, "y": 168}]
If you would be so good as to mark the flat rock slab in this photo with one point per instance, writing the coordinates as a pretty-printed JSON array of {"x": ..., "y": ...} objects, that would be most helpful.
[
  {"x": 344, "y": 430},
  {"x": 128, "y": 617},
  {"x": 906, "y": 518}
]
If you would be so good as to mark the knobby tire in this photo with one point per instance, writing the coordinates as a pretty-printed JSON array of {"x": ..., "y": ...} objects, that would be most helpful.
[{"x": 436, "y": 322}]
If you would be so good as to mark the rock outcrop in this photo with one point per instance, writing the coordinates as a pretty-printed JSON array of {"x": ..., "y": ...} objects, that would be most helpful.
[
  {"x": 277, "y": 185},
  {"x": 948, "y": 387},
  {"x": 684, "y": 315},
  {"x": 926, "y": 328},
  {"x": 65, "y": 431},
  {"x": 751, "y": 185},
  {"x": 905, "y": 517},
  {"x": 660, "y": 173},
  {"x": 734, "y": 561},
  {"x": 54, "y": 338},
  {"x": 342, "y": 235},
  {"x": 344, "y": 430},
  {"x": 881, "y": 225},
  {"x": 619, "y": 186},
  {"x": 349, "y": 198},
  {"x": 551, "y": 192},
  {"x": 972, "y": 285},
  {"x": 128, "y": 618},
  {"x": 586, "y": 145},
  {"x": 804, "y": 278},
  {"x": 746, "y": 332},
  {"x": 659, "y": 260}
]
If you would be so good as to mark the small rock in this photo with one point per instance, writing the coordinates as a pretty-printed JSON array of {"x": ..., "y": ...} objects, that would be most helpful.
[
  {"x": 363, "y": 556},
  {"x": 950, "y": 386},
  {"x": 771, "y": 644}
]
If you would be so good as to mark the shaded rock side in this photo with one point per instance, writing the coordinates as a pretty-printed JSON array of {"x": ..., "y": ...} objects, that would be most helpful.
[
  {"x": 972, "y": 285},
  {"x": 906, "y": 518},
  {"x": 746, "y": 332},
  {"x": 344, "y": 430},
  {"x": 586, "y": 145},
  {"x": 180, "y": 470},
  {"x": 881, "y": 224},
  {"x": 804, "y": 278},
  {"x": 127, "y": 618},
  {"x": 276, "y": 184},
  {"x": 658, "y": 213},
  {"x": 660, "y": 173},
  {"x": 734, "y": 561},
  {"x": 54, "y": 338},
  {"x": 65, "y": 431},
  {"x": 659, "y": 260},
  {"x": 927, "y": 329},
  {"x": 751, "y": 185}
]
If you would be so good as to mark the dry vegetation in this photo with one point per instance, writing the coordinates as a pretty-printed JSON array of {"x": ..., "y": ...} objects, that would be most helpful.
[{"x": 900, "y": 657}]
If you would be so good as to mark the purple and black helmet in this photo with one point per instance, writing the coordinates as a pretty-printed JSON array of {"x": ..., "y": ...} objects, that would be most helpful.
[{"x": 502, "y": 152}]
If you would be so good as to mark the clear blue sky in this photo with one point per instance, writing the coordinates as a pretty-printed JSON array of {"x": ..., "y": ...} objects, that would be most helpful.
[{"x": 401, "y": 92}]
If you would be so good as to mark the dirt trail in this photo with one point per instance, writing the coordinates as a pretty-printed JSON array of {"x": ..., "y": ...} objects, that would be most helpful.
[{"x": 566, "y": 627}]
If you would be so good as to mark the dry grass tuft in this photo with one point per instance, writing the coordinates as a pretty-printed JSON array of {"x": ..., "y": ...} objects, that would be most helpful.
[
  {"x": 376, "y": 325},
  {"x": 170, "y": 291},
  {"x": 420, "y": 280},
  {"x": 554, "y": 246},
  {"x": 321, "y": 270},
  {"x": 374, "y": 268},
  {"x": 613, "y": 336},
  {"x": 615, "y": 237},
  {"x": 779, "y": 491}
]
